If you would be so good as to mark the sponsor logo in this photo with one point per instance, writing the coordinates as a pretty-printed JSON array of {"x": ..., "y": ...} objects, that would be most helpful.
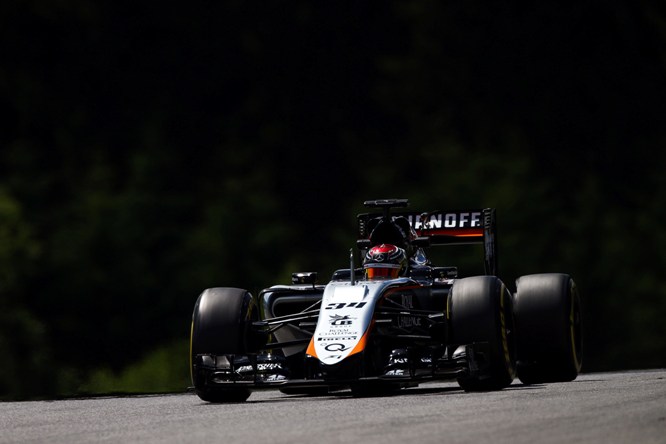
[
  {"x": 336, "y": 347},
  {"x": 338, "y": 320},
  {"x": 448, "y": 220},
  {"x": 260, "y": 367},
  {"x": 275, "y": 377},
  {"x": 338, "y": 332},
  {"x": 338, "y": 338},
  {"x": 408, "y": 321},
  {"x": 269, "y": 366}
]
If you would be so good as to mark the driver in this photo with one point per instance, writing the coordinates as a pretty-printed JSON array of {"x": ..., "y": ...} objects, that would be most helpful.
[
  {"x": 397, "y": 232},
  {"x": 385, "y": 261}
]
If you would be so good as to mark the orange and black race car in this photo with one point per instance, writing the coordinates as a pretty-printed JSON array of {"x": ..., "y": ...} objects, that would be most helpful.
[{"x": 394, "y": 321}]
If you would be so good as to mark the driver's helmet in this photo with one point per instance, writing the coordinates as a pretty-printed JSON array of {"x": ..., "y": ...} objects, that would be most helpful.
[{"x": 385, "y": 261}]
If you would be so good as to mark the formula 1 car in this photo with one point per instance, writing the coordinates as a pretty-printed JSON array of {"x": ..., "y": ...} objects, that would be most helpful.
[{"x": 393, "y": 323}]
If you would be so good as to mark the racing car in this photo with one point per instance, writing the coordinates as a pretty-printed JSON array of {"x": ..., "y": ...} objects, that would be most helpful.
[{"x": 391, "y": 322}]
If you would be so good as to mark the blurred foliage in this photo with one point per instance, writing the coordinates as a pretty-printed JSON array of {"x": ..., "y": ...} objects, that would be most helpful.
[
  {"x": 163, "y": 370},
  {"x": 150, "y": 151}
]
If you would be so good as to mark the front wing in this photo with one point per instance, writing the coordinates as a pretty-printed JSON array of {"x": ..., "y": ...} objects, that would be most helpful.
[{"x": 272, "y": 371}]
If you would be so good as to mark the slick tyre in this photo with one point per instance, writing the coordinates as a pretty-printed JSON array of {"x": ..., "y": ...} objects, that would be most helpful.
[
  {"x": 221, "y": 324},
  {"x": 548, "y": 316},
  {"x": 481, "y": 313}
]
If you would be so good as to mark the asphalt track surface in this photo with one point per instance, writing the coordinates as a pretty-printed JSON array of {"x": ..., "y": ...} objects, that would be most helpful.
[{"x": 605, "y": 408}]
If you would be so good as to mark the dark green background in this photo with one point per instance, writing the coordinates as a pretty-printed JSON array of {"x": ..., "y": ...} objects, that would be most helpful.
[{"x": 152, "y": 149}]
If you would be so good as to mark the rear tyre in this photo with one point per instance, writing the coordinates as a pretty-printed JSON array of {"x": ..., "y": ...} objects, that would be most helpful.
[
  {"x": 549, "y": 328},
  {"x": 221, "y": 324},
  {"x": 480, "y": 311}
]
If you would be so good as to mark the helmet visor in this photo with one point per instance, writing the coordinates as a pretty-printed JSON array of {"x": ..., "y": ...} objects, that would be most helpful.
[{"x": 382, "y": 271}]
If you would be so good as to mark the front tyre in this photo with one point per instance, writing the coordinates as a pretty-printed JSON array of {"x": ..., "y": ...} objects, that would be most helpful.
[
  {"x": 221, "y": 325},
  {"x": 549, "y": 328},
  {"x": 481, "y": 312}
]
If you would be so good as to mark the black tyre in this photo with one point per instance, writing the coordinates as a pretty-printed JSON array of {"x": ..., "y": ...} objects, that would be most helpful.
[
  {"x": 221, "y": 324},
  {"x": 549, "y": 328},
  {"x": 480, "y": 311}
]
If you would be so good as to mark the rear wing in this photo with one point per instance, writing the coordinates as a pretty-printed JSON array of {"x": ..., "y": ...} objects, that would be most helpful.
[{"x": 449, "y": 228}]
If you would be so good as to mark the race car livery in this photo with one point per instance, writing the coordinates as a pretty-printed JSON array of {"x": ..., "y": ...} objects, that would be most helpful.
[{"x": 375, "y": 333}]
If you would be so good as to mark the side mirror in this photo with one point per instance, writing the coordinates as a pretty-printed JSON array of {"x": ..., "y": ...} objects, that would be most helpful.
[
  {"x": 445, "y": 272},
  {"x": 309, "y": 277}
]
